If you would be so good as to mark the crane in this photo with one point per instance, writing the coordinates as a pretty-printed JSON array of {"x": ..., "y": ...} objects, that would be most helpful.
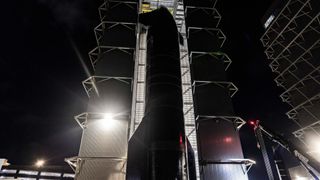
[{"x": 308, "y": 162}]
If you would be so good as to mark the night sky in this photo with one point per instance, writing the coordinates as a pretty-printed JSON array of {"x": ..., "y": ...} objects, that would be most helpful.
[{"x": 41, "y": 76}]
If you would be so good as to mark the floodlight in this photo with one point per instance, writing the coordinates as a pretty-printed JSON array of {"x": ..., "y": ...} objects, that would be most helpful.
[
  {"x": 107, "y": 121},
  {"x": 39, "y": 163},
  {"x": 108, "y": 117},
  {"x": 300, "y": 178}
]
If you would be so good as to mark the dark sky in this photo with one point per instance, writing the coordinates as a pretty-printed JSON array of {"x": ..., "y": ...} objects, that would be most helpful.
[{"x": 41, "y": 74}]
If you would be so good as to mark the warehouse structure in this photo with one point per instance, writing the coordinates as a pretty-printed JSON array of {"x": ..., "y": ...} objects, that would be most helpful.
[{"x": 117, "y": 92}]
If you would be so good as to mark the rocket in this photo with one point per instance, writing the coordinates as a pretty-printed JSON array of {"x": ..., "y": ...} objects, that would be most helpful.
[{"x": 156, "y": 150}]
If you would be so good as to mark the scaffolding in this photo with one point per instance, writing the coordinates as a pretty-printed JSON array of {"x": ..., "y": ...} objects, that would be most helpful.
[{"x": 292, "y": 42}]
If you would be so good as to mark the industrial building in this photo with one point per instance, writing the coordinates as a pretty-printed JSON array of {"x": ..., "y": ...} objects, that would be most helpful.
[
  {"x": 117, "y": 95},
  {"x": 291, "y": 41}
]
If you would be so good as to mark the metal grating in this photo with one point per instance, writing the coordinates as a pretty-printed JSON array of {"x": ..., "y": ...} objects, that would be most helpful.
[
  {"x": 139, "y": 81},
  {"x": 190, "y": 125}
]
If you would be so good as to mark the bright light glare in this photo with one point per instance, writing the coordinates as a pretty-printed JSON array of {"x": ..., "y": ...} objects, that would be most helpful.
[
  {"x": 269, "y": 20},
  {"x": 108, "y": 117},
  {"x": 300, "y": 178},
  {"x": 107, "y": 121},
  {"x": 227, "y": 139},
  {"x": 314, "y": 144},
  {"x": 40, "y": 163}
]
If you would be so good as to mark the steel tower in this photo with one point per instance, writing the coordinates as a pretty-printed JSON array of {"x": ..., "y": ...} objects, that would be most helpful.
[
  {"x": 103, "y": 149},
  {"x": 117, "y": 91},
  {"x": 218, "y": 147},
  {"x": 292, "y": 41}
]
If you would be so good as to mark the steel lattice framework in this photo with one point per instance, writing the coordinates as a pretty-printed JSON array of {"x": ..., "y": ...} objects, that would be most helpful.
[
  {"x": 102, "y": 153},
  {"x": 198, "y": 22},
  {"x": 292, "y": 42},
  {"x": 119, "y": 61}
]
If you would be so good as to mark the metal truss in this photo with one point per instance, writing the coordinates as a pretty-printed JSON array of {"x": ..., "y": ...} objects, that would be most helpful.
[
  {"x": 311, "y": 78},
  {"x": 246, "y": 163},
  {"x": 212, "y": 31},
  {"x": 76, "y": 161},
  {"x": 293, "y": 113},
  {"x": 106, "y": 25},
  {"x": 307, "y": 100},
  {"x": 284, "y": 58},
  {"x": 72, "y": 162},
  {"x": 303, "y": 58},
  {"x": 110, "y": 4},
  {"x": 296, "y": 41},
  {"x": 187, "y": 97},
  {"x": 313, "y": 129},
  {"x": 291, "y": 41},
  {"x": 90, "y": 83},
  {"x": 82, "y": 119},
  {"x": 207, "y": 10},
  {"x": 188, "y": 105},
  {"x": 218, "y": 55},
  {"x": 229, "y": 85},
  {"x": 123, "y": 160},
  {"x": 190, "y": 89},
  {"x": 138, "y": 98},
  {"x": 274, "y": 25},
  {"x": 279, "y": 29},
  {"x": 96, "y": 53},
  {"x": 179, "y": 14},
  {"x": 237, "y": 121}
]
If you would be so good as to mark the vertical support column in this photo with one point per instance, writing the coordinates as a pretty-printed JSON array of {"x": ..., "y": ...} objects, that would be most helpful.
[
  {"x": 216, "y": 126},
  {"x": 188, "y": 103},
  {"x": 264, "y": 153},
  {"x": 104, "y": 142},
  {"x": 138, "y": 104}
]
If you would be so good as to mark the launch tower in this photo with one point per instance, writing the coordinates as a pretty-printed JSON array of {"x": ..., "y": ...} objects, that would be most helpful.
[{"x": 117, "y": 91}]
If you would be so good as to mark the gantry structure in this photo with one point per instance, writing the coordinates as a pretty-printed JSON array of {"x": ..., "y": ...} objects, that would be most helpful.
[
  {"x": 104, "y": 142},
  {"x": 210, "y": 119},
  {"x": 117, "y": 89},
  {"x": 292, "y": 41}
]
